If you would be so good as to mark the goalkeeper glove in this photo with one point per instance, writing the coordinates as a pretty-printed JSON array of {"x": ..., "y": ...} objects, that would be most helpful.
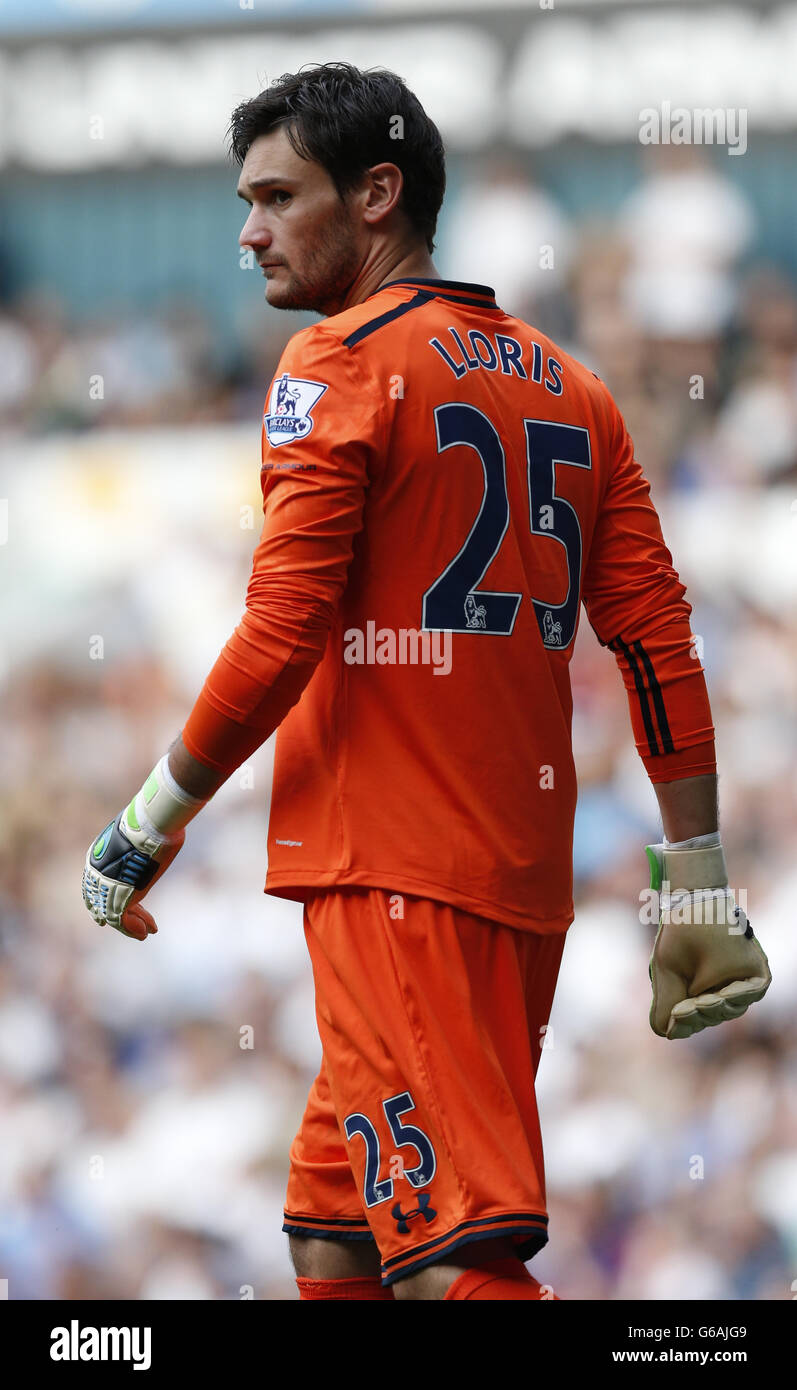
[
  {"x": 706, "y": 966},
  {"x": 134, "y": 850}
]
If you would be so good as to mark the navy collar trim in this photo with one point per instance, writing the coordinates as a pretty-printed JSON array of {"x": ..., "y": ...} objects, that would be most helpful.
[{"x": 441, "y": 286}]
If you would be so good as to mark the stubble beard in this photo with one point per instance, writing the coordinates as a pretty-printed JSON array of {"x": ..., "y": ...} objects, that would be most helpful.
[{"x": 328, "y": 271}]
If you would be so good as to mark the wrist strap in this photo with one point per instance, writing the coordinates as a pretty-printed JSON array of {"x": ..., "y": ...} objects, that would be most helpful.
[
  {"x": 697, "y": 841},
  {"x": 687, "y": 869},
  {"x": 161, "y": 808}
]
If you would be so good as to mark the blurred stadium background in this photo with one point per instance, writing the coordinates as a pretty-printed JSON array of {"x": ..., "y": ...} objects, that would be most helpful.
[{"x": 145, "y": 1151}]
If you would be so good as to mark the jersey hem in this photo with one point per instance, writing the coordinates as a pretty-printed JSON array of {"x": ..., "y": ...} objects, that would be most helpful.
[{"x": 285, "y": 885}]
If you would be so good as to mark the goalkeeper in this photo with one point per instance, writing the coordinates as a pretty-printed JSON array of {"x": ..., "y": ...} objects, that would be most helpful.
[{"x": 431, "y": 465}]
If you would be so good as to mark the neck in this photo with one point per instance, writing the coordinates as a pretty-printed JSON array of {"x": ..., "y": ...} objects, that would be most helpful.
[{"x": 394, "y": 264}]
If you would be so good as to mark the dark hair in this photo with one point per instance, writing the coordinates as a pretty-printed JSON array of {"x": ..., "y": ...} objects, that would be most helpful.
[{"x": 342, "y": 117}]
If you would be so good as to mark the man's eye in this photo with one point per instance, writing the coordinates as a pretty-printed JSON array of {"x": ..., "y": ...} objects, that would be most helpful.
[{"x": 281, "y": 193}]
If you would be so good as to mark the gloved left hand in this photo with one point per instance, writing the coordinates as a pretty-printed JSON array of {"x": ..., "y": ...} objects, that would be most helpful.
[{"x": 706, "y": 967}]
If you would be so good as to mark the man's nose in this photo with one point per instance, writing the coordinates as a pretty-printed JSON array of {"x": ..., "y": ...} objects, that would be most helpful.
[{"x": 254, "y": 231}]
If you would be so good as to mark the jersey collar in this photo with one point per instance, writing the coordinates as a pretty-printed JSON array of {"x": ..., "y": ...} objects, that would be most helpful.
[{"x": 459, "y": 290}]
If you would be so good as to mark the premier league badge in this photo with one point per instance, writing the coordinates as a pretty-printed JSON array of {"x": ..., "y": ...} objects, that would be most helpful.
[{"x": 288, "y": 415}]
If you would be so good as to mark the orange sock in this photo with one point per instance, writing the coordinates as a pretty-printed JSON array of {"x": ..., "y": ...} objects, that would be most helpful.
[
  {"x": 496, "y": 1279},
  {"x": 361, "y": 1288}
]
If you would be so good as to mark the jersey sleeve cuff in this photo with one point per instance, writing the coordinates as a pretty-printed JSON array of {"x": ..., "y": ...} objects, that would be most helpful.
[
  {"x": 218, "y": 741},
  {"x": 696, "y": 761}
]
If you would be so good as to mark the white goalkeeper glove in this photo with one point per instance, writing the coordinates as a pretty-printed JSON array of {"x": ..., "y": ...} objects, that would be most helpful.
[
  {"x": 706, "y": 966},
  {"x": 134, "y": 850}
]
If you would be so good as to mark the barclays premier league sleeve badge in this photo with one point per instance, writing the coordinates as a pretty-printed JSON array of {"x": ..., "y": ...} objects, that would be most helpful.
[{"x": 288, "y": 415}]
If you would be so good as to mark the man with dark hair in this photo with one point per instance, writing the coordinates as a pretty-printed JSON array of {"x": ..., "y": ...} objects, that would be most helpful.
[
  {"x": 347, "y": 122},
  {"x": 431, "y": 467}
]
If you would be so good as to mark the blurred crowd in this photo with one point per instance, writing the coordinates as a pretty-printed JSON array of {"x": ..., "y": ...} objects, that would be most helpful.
[
  {"x": 667, "y": 300},
  {"x": 150, "y": 1092}
]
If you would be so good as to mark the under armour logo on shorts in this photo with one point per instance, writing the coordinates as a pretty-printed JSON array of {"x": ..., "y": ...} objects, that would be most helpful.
[{"x": 404, "y": 1217}]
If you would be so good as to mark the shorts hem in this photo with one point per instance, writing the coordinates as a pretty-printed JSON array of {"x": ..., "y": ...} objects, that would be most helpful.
[
  {"x": 530, "y": 1227},
  {"x": 327, "y": 1227}
]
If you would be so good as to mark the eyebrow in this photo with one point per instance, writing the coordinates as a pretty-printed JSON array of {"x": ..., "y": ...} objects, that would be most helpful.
[{"x": 264, "y": 182}]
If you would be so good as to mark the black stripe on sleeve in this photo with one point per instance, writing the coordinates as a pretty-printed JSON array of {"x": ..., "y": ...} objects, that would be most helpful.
[
  {"x": 422, "y": 297},
  {"x": 619, "y": 645},
  {"x": 658, "y": 699}
]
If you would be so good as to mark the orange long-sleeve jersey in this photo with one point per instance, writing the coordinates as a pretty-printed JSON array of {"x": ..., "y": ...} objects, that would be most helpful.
[{"x": 442, "y": 488}]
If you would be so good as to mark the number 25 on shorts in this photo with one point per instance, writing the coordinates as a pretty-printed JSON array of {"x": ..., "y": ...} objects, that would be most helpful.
[{"x": 374, "y": 1190}]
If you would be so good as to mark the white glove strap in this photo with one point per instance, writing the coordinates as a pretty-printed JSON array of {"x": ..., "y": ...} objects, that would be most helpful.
[
  {"x": 688, "y": 866},
  {"x": 159, "y": 810},
  {"x": 696, "y": 842},
  {"x": 693, "y": 869}
]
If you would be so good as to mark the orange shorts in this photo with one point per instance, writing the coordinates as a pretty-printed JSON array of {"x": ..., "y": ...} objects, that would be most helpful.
[{"x": 421, "y": 1129}]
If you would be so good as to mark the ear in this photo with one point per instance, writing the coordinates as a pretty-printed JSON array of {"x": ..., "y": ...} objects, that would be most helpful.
[{"x": 382, "y": 191}]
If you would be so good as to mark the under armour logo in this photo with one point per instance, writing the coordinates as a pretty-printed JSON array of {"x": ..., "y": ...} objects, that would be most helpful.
[{"x": 403, "y": 1217}]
